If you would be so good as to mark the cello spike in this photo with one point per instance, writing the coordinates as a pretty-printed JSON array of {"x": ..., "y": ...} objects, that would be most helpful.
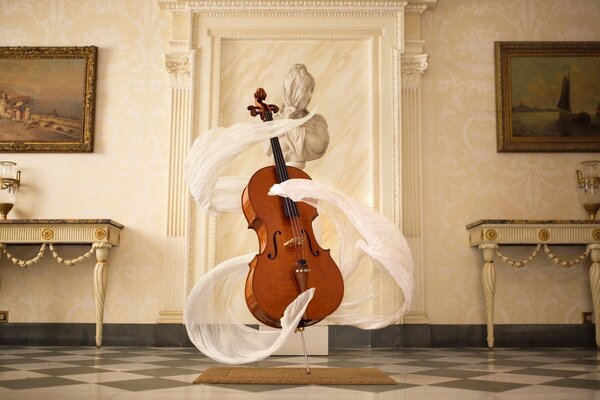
[{"x": 301, "y": 330}]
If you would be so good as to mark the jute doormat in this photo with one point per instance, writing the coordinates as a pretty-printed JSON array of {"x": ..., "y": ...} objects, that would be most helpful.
[{"x": 294, "y": 376}]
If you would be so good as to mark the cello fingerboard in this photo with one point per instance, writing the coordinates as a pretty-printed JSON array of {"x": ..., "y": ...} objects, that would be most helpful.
[{"x": 289, "y": 206}]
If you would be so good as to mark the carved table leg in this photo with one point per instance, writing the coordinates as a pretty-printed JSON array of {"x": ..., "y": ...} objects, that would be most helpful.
[
  {"x": 100, "y": 287},
  {"x": 595, "y": 287},
  {"x": 2, "y": 248},
  {"x": 489, "y": 288}
]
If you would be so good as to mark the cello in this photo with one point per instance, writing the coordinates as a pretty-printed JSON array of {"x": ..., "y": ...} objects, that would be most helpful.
[{"x": 290, "y": 260}]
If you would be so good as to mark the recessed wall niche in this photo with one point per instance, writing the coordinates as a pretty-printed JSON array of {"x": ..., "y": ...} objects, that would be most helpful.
[{"x": 222, "y": 51}]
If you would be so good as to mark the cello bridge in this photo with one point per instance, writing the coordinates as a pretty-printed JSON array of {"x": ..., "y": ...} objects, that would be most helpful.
[{"x": 294, "y": 242}]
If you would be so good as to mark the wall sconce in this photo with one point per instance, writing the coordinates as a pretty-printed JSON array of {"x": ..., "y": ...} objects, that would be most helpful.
[{"x": 9, "y": 184}]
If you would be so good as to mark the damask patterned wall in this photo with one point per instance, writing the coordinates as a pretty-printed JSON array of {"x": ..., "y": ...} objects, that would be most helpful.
[
  {"x": 124, "y": 179},
  {"x": 465, "y": 179}
]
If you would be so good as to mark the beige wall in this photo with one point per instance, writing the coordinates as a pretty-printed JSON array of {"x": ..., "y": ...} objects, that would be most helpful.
[
  {"x": 465, "y": 179},
  {"x": 123, "y": 179}
]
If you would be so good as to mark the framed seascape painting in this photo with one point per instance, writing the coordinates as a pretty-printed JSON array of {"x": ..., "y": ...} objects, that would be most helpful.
[
  {"x": 548, "y": 96},
  {"x": 47, "y": 97}
]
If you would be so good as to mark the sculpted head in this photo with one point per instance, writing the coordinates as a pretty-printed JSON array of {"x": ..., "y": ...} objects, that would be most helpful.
[{"x": 298, "y": 86}]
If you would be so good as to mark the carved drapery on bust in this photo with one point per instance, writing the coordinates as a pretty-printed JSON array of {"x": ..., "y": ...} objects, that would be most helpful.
[{"x": 309, "y": 141}]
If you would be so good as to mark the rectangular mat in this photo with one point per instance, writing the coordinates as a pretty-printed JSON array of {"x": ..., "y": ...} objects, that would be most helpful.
[{"x": 294, "y": 376}]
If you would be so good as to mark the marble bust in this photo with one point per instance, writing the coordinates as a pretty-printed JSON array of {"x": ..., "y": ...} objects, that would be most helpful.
[{"x": 309, "y": 141}]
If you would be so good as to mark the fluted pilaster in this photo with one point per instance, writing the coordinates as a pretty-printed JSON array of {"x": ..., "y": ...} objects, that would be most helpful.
[
  {"x": 177, "y": 254},
  {"x": 413, "y": 65}
]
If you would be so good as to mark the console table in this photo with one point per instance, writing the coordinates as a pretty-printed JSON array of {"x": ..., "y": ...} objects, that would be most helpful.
[
  {"x": 100, "y": 234},
  {"x": 488, "y": 235}
]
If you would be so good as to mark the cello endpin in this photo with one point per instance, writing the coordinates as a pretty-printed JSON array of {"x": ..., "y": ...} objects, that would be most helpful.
[{"x": 301, "y": 330}]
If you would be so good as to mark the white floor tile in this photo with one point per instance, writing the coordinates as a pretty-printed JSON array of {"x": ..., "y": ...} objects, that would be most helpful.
[
  {"x": 517, "y": 378},
  {"x": 105, "y": 377}
]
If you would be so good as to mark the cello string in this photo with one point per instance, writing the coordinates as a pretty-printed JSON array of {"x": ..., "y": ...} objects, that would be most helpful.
[
  {"x": 280, "y": 171},
  {"x": 295, "y": 218},
  {"x": 290, "y": 206}
]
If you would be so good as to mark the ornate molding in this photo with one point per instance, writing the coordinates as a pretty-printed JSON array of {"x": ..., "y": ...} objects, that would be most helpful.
[
  {"x": 287, "y": 8},
  {"x": 308, "y": 35},
  {"x": 56, "y": 232},
  {"x": 594, "y": 247},
  {"x": 397, "y": 136},
  {"x": 413, "y": 67},
  {"x": 520, "y": 232},
  {"x": 417, "y": 7},
  {"x": 179, "y": 43},
  {"x": 179, "y": 68},
  {"x": 413, "y": 47}
]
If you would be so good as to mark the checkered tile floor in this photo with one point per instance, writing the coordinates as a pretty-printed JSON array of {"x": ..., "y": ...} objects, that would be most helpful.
[{"x": 166, "y": 373}]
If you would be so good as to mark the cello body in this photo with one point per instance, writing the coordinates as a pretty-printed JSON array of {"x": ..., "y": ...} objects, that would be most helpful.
[{"x": 272, "y": 283}]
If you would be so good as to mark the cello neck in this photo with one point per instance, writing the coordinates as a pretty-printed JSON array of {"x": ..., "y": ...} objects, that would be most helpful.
[
  {"x": 265, "y": 111},
  {"x": 280, "y": 166}
]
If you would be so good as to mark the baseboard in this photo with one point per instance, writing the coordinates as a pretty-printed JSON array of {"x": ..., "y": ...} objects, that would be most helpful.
[
  {"x": 413, "y": 335},
  {"x": 425, "y": 335},
  {"x": 64, "y": 334}
]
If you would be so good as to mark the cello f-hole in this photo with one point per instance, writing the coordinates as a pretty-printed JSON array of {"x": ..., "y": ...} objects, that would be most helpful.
[
  {"x": 314, "y": 253},
  {"x": 271, "y": 256}
]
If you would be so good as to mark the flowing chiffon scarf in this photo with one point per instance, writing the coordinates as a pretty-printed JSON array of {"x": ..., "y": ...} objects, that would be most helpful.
[{"x": 210, "y": 321}]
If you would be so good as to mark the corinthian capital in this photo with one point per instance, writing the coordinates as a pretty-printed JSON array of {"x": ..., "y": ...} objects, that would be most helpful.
[
  {"x": 180, "y": 68},
  {"x": 413, "y": 67}
]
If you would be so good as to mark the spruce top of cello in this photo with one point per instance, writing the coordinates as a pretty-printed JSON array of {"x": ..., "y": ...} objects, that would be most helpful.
[{"x": 272, "y": 284}]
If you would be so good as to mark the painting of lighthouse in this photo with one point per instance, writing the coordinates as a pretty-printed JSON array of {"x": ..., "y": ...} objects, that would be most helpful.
[{"x": 548, "y": 96}]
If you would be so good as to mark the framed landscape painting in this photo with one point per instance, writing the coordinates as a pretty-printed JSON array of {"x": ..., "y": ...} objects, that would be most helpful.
[
  {"x": 47, "y": 97},
  {"x": 548, "y": 96}
]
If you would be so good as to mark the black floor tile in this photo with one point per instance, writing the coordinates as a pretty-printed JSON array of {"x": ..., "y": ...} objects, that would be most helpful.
[
  {"x": 452, "y": 373},
  {"x": 431, "y": 364},
  {"x": 481, "y": 385},
  {"x": 65, "y": 371},
  {"x": 576, "y": 383},
  {"x": 24, "y": 360},
  {"x": 562, "y": 373},
  {"x": 95, "y": 362},
  {"x": 138, "y": 385},
  {"x": 34, "y": 383}
]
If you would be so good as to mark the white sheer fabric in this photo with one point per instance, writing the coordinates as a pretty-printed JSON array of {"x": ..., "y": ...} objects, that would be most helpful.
[
  {"x": 215, "y": 331},
  {"x": 372, "y": 249},
  {"x": 362, "y": 231},
  {"x": 214, "y": 150}
]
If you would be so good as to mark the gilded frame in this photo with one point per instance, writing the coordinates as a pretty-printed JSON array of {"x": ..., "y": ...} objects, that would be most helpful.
[
  {"x": 547, "y": 96},
  {"x": 47, "y": 99}
]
